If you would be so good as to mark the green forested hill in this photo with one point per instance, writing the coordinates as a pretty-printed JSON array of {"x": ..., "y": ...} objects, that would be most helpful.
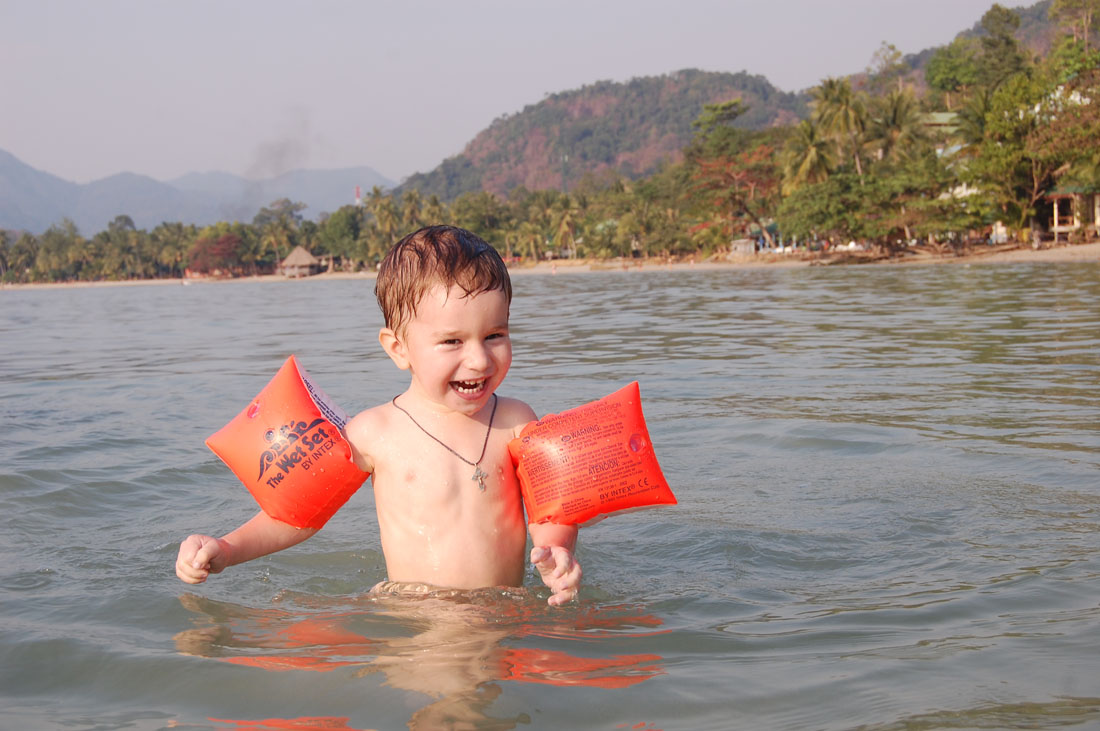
[
  {"x": 628, "y": 128},
  {"x": 1036, "y": 32}
]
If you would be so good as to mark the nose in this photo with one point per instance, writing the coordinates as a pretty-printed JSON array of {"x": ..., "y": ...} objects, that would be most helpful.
[{"x": 476, "y": 356}]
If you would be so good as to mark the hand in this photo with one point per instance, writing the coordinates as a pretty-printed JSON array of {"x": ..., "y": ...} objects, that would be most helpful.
[
  {"x": 199, "y": 557},
  {"x": 560, "y": 572}
]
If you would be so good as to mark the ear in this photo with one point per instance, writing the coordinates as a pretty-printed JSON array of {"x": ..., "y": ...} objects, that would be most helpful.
[{"x": 394, "y": 348}]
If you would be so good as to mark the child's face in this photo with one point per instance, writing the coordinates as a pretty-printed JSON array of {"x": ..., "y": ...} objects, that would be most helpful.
[{"x": 457, "y": 347}]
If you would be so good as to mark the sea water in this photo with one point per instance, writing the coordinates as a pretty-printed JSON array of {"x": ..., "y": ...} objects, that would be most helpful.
[{"x": 889, "y": 485}]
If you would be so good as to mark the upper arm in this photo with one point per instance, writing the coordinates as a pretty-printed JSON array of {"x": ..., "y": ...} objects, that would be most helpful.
[
  {"x": 360, "y": 432},
  {"x": 515, "y": 414}
]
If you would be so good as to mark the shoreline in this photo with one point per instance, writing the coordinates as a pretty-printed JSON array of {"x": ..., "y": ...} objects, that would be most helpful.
[{"x": 1066, "y": 253}]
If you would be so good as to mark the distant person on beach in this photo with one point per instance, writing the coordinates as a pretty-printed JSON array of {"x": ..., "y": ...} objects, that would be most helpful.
[{"x": 450, "y": 513}]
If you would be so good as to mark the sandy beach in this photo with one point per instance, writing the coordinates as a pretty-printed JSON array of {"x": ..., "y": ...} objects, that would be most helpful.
[{"x": 1079, "y": 253}]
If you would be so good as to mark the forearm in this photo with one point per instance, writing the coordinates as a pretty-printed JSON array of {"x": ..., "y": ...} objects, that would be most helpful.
[
  {"x": 260, "y": 536},
  {"x": 552, "y": 534}
]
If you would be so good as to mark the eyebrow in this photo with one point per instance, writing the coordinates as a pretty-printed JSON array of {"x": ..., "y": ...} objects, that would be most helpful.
[{"x": 460, "y": 333}]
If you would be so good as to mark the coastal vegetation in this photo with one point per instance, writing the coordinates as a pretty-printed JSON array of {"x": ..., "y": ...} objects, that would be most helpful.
[{"x": 914, "y": 151}]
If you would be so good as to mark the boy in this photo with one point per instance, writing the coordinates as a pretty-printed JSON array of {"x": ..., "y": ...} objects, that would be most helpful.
[{"x": 448, "y": 501}]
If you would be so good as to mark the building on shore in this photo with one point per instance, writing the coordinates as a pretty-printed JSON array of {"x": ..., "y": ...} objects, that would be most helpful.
[
  {"x": 300, "y": 263},
  {"x": 1074, "y": 209}
]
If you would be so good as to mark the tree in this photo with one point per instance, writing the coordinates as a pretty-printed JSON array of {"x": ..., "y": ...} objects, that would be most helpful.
[
  {"x": 435, "y": 212},
  {"x": 1064, "y": 142},
  {"x": 121, "y": 224},
  {"x": 715, "y": 134},
  {"x": 971, "y": 119},
  {"x": 370, "y": 246},
  {"x": 1011, "y": 177},
  {"x": 278, "y": 223},
  {"x": 411, "y": 215},
  {"x": 216, "y": 251},
  {"x": 3, "y": 255},
  {"x": 126, "y": 251},
  {"x": 897, "y": 128},
  {"x": 1001, "y": 57},
  {"x": 52, "y": 256},
  {"x": 387, "y": 218},
  {"x": 86, "y": 259},
  {"x": 841, "y": 112},
  {"x": 171, "y": 242},
  {"x": 339, "y": 232},
  {"x": 807, "y": 157},
  {"x": 482, "y": 213},
  {"x": 1080, "y": 16},
  {"x": 531, "y": 238},
  {"x": 879, "y": 210},
  {"x": 838, "y": 208},
  {"x": 919, "y": 200},
  {"x": 22, "y": 258},
  {"x": 566, "y": 213},
  {"x": 744, "y": 187},
  {"x": 888, "y": 68},
  {"x": 953, "y": 69}
]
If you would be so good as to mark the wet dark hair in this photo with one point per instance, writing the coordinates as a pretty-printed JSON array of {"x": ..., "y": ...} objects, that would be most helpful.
[{"x": 444, "y": 255}]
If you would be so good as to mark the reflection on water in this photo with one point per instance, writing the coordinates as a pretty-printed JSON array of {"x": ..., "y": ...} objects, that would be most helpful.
[
  {"x": 453, "y": 647},
  {"x": 310, "y": 723}
]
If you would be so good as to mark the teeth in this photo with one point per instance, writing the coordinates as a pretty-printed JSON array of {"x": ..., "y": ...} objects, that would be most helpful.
[{"x": 468, "y": 386}]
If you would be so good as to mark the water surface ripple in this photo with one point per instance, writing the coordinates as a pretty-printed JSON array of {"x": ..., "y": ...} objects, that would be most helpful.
[{"x": 889, "y": 484}]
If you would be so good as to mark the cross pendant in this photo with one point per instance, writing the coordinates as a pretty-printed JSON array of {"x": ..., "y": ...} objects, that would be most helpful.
[{"x": 480, "y": 475}]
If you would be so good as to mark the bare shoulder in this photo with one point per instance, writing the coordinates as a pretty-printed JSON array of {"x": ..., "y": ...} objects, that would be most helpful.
[
  {"x": 514, "y": 414},
  {"x": 362, "y": 429}
]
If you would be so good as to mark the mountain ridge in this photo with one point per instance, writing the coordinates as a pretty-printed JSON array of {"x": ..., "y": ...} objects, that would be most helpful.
[
  {"x": 33, "y": 200},
  {"x": 627, "y": 128}
]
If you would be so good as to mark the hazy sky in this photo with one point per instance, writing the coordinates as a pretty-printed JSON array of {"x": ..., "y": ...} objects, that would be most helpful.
[{"x": 258, "y": 87}]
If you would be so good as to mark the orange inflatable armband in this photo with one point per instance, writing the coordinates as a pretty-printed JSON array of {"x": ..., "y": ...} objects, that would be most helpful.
[
  {"x": 288, "y": 448},
  {"x": 578, "y": 466}
]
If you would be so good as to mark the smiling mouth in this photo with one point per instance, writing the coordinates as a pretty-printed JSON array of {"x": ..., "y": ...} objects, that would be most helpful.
[{"x": 468, "y": 387}]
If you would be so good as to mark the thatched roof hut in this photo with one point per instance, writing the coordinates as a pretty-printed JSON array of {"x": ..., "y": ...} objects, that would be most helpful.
[{"x": 300, "y": 263}]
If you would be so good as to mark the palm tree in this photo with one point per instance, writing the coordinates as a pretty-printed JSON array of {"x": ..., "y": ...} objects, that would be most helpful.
[
  {"x": 410, "y": 215},
  {"x": 840, "y": 111},
  {"x": 807, "y": 157},
  {"x": 374, "y": 197},
  {"x": 385, "y": 213},
  {"x": 52, "y": 257},
  {"x": 22, "y": 257},
  {"x": 276, "y": 235},
  {"x": 172, "y": 241},
  {"x": 434, "y": 212},
  {"x": 897, "y": 130},
  {"x": 565, "y": 213},
  {"x": 531, "y": 235},
  {"x": 279, "y": 224},
  {"x": 541, "y": 213},
  {"x": 370, "y": 245},
  {"x": 972, "y": 118}
]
